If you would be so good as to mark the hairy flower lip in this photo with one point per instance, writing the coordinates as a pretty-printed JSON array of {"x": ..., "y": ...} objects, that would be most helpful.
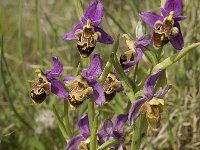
[
  {"x": 89, "y": 77},
  {"x": 171, "y": 10},
  {"x": 151, "y": 100},
  {"x": 51, "y": 81},
  {"x": 93, "y": 13}
]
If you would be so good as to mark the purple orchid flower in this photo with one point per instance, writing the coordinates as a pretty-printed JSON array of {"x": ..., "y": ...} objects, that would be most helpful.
[
  {"x": 113, "y": 130},
  {"x": 151, "y": 103},
  {"x": 88, "y": 32},
  {"x": 47, "y": 83},
  {"x": 127, "y": 60},
  {"x": 86, "y": 85},
  {"x": 82, "y": 139},
  {"x": 166, "y": 27}
]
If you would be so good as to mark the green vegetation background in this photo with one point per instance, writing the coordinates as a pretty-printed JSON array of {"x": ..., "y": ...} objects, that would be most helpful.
[{"x": 32, "y": 32}]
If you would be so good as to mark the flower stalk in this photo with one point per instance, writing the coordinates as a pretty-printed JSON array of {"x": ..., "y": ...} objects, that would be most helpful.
[
  {"x": 139, "y": 132},
  {"x": 93, "y": 139},
  {"x": 61, "y": 124},
  {"x": 66, "y": 118},
  {"x": 108, "y": 143}
]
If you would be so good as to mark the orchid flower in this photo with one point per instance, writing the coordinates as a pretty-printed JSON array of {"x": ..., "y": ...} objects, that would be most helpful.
[
  {"x": 127, "y": 60},
  {"x": 113, "y": 130},
  {"x": 88, "y": 32},
  {"x": 85, "y": 85},
  {"x": 151, "y": 103},
  {"x": 111, "y": 86},
  {"x": 80, "y": 141},
  {"x": 47, "y": 83},
  {"x": 166, "y": 27}
]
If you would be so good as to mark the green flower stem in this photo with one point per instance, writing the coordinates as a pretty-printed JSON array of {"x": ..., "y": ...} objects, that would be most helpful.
[
  {"x": 61, "y": 124},
  {"x": 139, "y": 132},
  {"x": 91, "y": 112},
  {"x": 78, "y": 70},
  {"x": 108, "y": 66},
  {"x": 93, "y": 137},
  {"x": 66, "y": 117},
  {"x": 124, "y": 80},
  {"x": 108, "y": 144},
  {"x": 79, "y": 8},
  {"x": 174, "y": 58}
]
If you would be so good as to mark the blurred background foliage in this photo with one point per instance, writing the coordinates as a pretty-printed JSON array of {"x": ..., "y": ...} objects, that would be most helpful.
[{"x": 32, "y": 32}]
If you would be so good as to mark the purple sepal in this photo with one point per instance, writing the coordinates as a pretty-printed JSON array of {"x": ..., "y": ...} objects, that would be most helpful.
[
  {"x": 102, "y": 137},
  {"x": 151, "y": 82},
  {"x": 180, "y": 18},
  {"x": 134, "y": 111},
  {"x": 161, "y": 93},
  {"x": 71, "y": 35},
  {"x": 56, "y": 71},
  {"x": 74, "y": 142},
  {"x": 105, "y": 38},
  {"x": 120, "y": 121},
  {"x": 150, "y": 18},
  {"x": 177, "y": 41},
  {"x": 58, "y": 89},
  {"x": 98, "y": 93},
  {"x": 173, "y": 5},
  {"x": 94, "y": 12},
  {"x": 94, "y": 70},
  {"x": 129, "y": 64},
  {"x": 83, "y": 125}
]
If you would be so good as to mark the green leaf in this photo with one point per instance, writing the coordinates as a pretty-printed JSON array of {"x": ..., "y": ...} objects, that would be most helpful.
[
  {"x": 108, "y": 66},
  {"x": 124, "y": 80},
  {"x": 61, "y": 124},
  {"x": 174, "y": 58},
  {"x": 150, "y": 55}
]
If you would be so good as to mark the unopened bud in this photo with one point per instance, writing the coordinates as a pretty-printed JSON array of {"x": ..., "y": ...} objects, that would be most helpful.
[{"x": 140, "y": 29}]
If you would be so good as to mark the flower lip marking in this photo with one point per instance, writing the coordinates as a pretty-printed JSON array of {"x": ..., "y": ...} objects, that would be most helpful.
[
  {"x": 87, "y": 39},
  {"x": 41, "y": 88},
  {"x": 80, "y": 90},
  {"x": 163, "y": 31},
  {"x": 111, "y": 86}
]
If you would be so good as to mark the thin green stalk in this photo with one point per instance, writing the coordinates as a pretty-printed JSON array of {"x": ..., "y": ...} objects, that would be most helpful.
[
  {"x": 79, "y": 7},
  {"x": 66, "y": 117},
  {"x": 108, "y": 143},
  {"x": 61, "y": 125},
  {"x": 124, "y": 80},
  {"x": 93, "y": 137},
  {"x": 139, "y": 132},
  {"x": 91, "y": 112},
  {"x": 176, "y": 57},
  {"x": 38, "y": 30},
  {"x": 108, "y": 66},
  {"x": 135, "y": 73},
  {"x": 78, "y": 70},
  {"x": 20, "y": 38},
  {"x": 7, "y": 91}
]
